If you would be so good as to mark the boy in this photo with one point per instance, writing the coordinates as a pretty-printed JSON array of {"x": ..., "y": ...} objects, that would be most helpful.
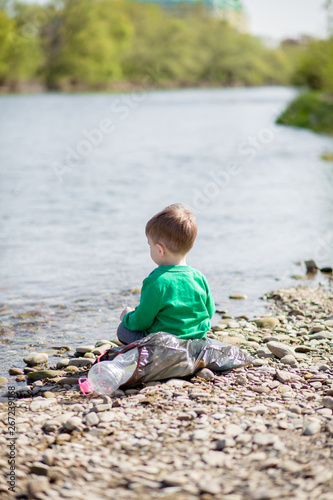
[{"x": 175, "y": 298}]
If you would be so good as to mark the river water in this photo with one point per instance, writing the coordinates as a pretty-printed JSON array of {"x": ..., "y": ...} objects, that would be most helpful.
[{"x": 81, "y": 174}]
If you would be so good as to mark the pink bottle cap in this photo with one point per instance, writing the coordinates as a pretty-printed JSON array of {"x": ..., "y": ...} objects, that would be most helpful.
[{"x": 85, "y": 386}]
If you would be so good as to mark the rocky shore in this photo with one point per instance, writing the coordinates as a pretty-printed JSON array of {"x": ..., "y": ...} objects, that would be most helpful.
[{"x": 261, "y": 432}]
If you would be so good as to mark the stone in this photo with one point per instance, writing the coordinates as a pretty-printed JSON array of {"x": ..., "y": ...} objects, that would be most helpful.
[
  {"x": 205, "y": 374},
  {"x": 214, "y": 458},
  {"x": 233, "y": 430},
  {"x": 15, "y": 371},
  {"x": 72, "y": 424},
  {"x": 175, "y": 479},
  {"x": 39, "y": 468},
  {"x": 289, "y": 360},
  {"x": 85, "y": 348},
  {"x": 327, "y": 402},
  {"x": 279, "y": 349},
  {"x": 91, "y": 419},
  {"x": 269, "y": 322},
  {"x": 238, "y": 296},
  {"x": 81, "y": 362},
  {"x": 312, "y": 428},
  {"x": 42, "y": 404},
  {"x": 317, "y": 329},
  {"x": 36, "y": 358},
  {"x": 36, "y": 486},
  {"x": 44, "y": 374},
  {"x": 63, "y": 363},
  {"x": 225, "y": 443},
  {"x": 264, "y": 439},
  {"x": 102, "y": 407},
  {"x": 311, "y": 266},
  {"x": 3, "y": 381}
]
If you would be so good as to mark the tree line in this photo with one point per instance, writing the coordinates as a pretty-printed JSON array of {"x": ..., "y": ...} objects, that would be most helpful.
[{"x": 95, "y": 44}]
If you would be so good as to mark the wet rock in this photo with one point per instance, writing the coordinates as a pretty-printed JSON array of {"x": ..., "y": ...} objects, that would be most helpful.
[
  {"x": 311, "y": 266},
  {"x": 63, "y": 363},
  {"x": 15, "y": 371},
  {"x": 36, "y": 358},
  {"x": 44, "y": 374},
  {"x": 238, "y": 296}
]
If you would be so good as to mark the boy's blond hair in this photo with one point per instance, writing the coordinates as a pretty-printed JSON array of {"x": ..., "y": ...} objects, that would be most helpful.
[{"x": 175, "y": 227}]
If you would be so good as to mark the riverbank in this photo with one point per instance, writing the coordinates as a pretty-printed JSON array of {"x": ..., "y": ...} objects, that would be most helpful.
[
  {"x": 260, "y": 432},
  {"x": 312, "y": 110}
]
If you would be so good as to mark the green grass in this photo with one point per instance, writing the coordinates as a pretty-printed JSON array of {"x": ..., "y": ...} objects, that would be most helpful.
[{"x": 313, "y": 110}]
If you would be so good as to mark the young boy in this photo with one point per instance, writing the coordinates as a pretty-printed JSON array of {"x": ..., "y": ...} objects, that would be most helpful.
[{"x": 175, "y": 298}]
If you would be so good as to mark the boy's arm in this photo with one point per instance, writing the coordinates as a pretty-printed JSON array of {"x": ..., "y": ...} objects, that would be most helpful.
[{"x": 144, "y": 314}]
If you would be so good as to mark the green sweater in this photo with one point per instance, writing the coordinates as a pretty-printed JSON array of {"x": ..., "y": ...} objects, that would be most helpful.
[{"x": 174, "y": 299}]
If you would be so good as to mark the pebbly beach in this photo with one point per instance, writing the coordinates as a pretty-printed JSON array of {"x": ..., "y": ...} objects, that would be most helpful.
[{"x": 259, "y": 432}]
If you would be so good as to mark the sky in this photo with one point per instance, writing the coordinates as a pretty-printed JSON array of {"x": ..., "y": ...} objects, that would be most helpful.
[{"x": 279, "y": 19}]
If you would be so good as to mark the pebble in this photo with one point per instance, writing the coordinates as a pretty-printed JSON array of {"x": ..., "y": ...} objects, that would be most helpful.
[
  {"x": 85, "y": 348},
  {"x": 80, "y": 362},
  {"x": 238, "y": 296},
  {"x": 15, "y": 371},
  {"x": 327, "y": 402},
  {"x": 269, "y": 322},
  {"x": 289, "y": 360},
  {"x": 259, "y": 432},
  {"x": 205, "y": 374},
  {"x": 279, "y": 349},
  {"x": 36, "y": 486},
  {"x": 36, "y": 358},
  {"x": 312, "y": 428},
  {"x": 42, "y": 404}
]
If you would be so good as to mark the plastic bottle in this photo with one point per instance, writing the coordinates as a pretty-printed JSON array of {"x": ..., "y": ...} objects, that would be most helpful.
[{"x": 106, "y": 376}]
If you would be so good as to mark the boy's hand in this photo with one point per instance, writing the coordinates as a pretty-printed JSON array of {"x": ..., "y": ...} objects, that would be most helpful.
[{"x": 125, "y": 311}]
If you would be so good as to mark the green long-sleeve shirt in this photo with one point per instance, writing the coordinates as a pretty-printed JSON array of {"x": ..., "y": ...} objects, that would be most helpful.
[{"x": 174, "y": 299}]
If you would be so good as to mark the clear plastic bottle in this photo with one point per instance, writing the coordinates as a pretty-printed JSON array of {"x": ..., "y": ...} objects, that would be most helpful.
[{"x": 106, "y": 376}]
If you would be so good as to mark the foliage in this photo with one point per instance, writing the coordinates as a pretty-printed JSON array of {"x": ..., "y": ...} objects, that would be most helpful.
[
  {"x": 92, "y": 44},
  {"x": 313, "y": 110}
]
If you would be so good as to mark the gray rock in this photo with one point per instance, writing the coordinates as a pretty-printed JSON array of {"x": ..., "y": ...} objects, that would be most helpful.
[
  {"x": 39, "y": 468},
  {"x": 289, "y": 360},
  {"x": 102, "y": 407},
  {"x": 312, "y": 428},
  {"x": 225, "y": 443},
  {"x": 91, "y": 419},
  {"x": 72, "y": 424},
  {"x": 264, "y": 439},
  {"x": 36, "y": 358},
  {"x": 63, "y": 363},
  {"x": 327, "y": 402},
  {"x": 279, "y": 349},
  {"x": 80, "y": 362},
  {"x": 85, "y": 348}
]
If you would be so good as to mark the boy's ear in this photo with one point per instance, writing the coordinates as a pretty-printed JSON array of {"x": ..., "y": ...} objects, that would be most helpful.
[{"x": 161, "y": 249}]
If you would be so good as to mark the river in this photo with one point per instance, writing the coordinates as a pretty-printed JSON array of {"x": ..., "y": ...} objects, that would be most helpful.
[{"x": 82, "y": 173}]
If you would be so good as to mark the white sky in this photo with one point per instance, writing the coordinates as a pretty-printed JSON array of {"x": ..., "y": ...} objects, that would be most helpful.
[{"x": 286, "y": 18}]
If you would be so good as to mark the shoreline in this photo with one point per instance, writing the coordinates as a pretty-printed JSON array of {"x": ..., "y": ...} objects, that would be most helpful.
[{"x": 258, "y": 432}]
